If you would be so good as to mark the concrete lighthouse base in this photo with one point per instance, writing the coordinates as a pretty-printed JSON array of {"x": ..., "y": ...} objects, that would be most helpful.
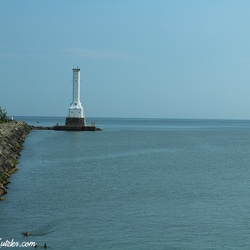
[{"x": 74, "y": 122}]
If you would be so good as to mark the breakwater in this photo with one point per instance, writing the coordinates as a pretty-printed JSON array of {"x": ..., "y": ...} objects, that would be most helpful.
[{"x": 12, "y": 135}]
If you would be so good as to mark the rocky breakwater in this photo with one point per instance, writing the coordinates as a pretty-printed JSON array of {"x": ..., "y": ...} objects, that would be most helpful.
[{"x": 12, "y": 135}]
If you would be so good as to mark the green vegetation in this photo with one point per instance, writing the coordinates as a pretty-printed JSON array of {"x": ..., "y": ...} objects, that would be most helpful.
[{"x": 3, "y": 115}]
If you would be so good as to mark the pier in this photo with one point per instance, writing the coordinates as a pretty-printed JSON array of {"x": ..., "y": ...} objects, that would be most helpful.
[{"x": 66, "y": 128}]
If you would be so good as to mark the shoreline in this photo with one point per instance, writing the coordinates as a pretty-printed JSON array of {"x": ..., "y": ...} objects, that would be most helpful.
[{"x": 12, "y": 136}]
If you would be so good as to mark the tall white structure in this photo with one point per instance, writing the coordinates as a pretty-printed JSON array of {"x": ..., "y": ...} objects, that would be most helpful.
[
  {"x": 75, "y": 121},
  {"x": 76, "y": 115},
  {"x": 76, "y": 109}
]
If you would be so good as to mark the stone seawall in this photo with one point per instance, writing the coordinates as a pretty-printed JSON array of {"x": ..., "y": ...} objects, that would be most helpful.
[{"x": 12, "y": 135}]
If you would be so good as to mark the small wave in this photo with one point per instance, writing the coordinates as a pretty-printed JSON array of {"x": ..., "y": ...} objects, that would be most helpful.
[{"x": 44, "y": 229}]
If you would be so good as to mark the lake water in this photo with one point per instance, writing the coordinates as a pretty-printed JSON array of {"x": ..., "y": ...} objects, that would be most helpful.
[{"x": 138, "y": 184}]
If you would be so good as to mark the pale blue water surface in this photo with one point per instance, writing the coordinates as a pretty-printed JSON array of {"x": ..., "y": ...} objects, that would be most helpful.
[{"x": 138, "y": 184}]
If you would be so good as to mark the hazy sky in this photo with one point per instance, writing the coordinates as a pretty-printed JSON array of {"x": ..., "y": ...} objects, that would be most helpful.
[{"x": 138, "y": 58}]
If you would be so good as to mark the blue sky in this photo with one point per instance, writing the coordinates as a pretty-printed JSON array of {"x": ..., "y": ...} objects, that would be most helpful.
[{"x": 138, "y": 58}]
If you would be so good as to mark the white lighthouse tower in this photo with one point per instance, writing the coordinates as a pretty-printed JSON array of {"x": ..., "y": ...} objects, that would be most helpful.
[{"x": 76, "y": 116}]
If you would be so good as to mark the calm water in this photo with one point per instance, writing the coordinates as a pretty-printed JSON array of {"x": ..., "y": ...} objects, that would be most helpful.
[{"x": 139, "y": 184}]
